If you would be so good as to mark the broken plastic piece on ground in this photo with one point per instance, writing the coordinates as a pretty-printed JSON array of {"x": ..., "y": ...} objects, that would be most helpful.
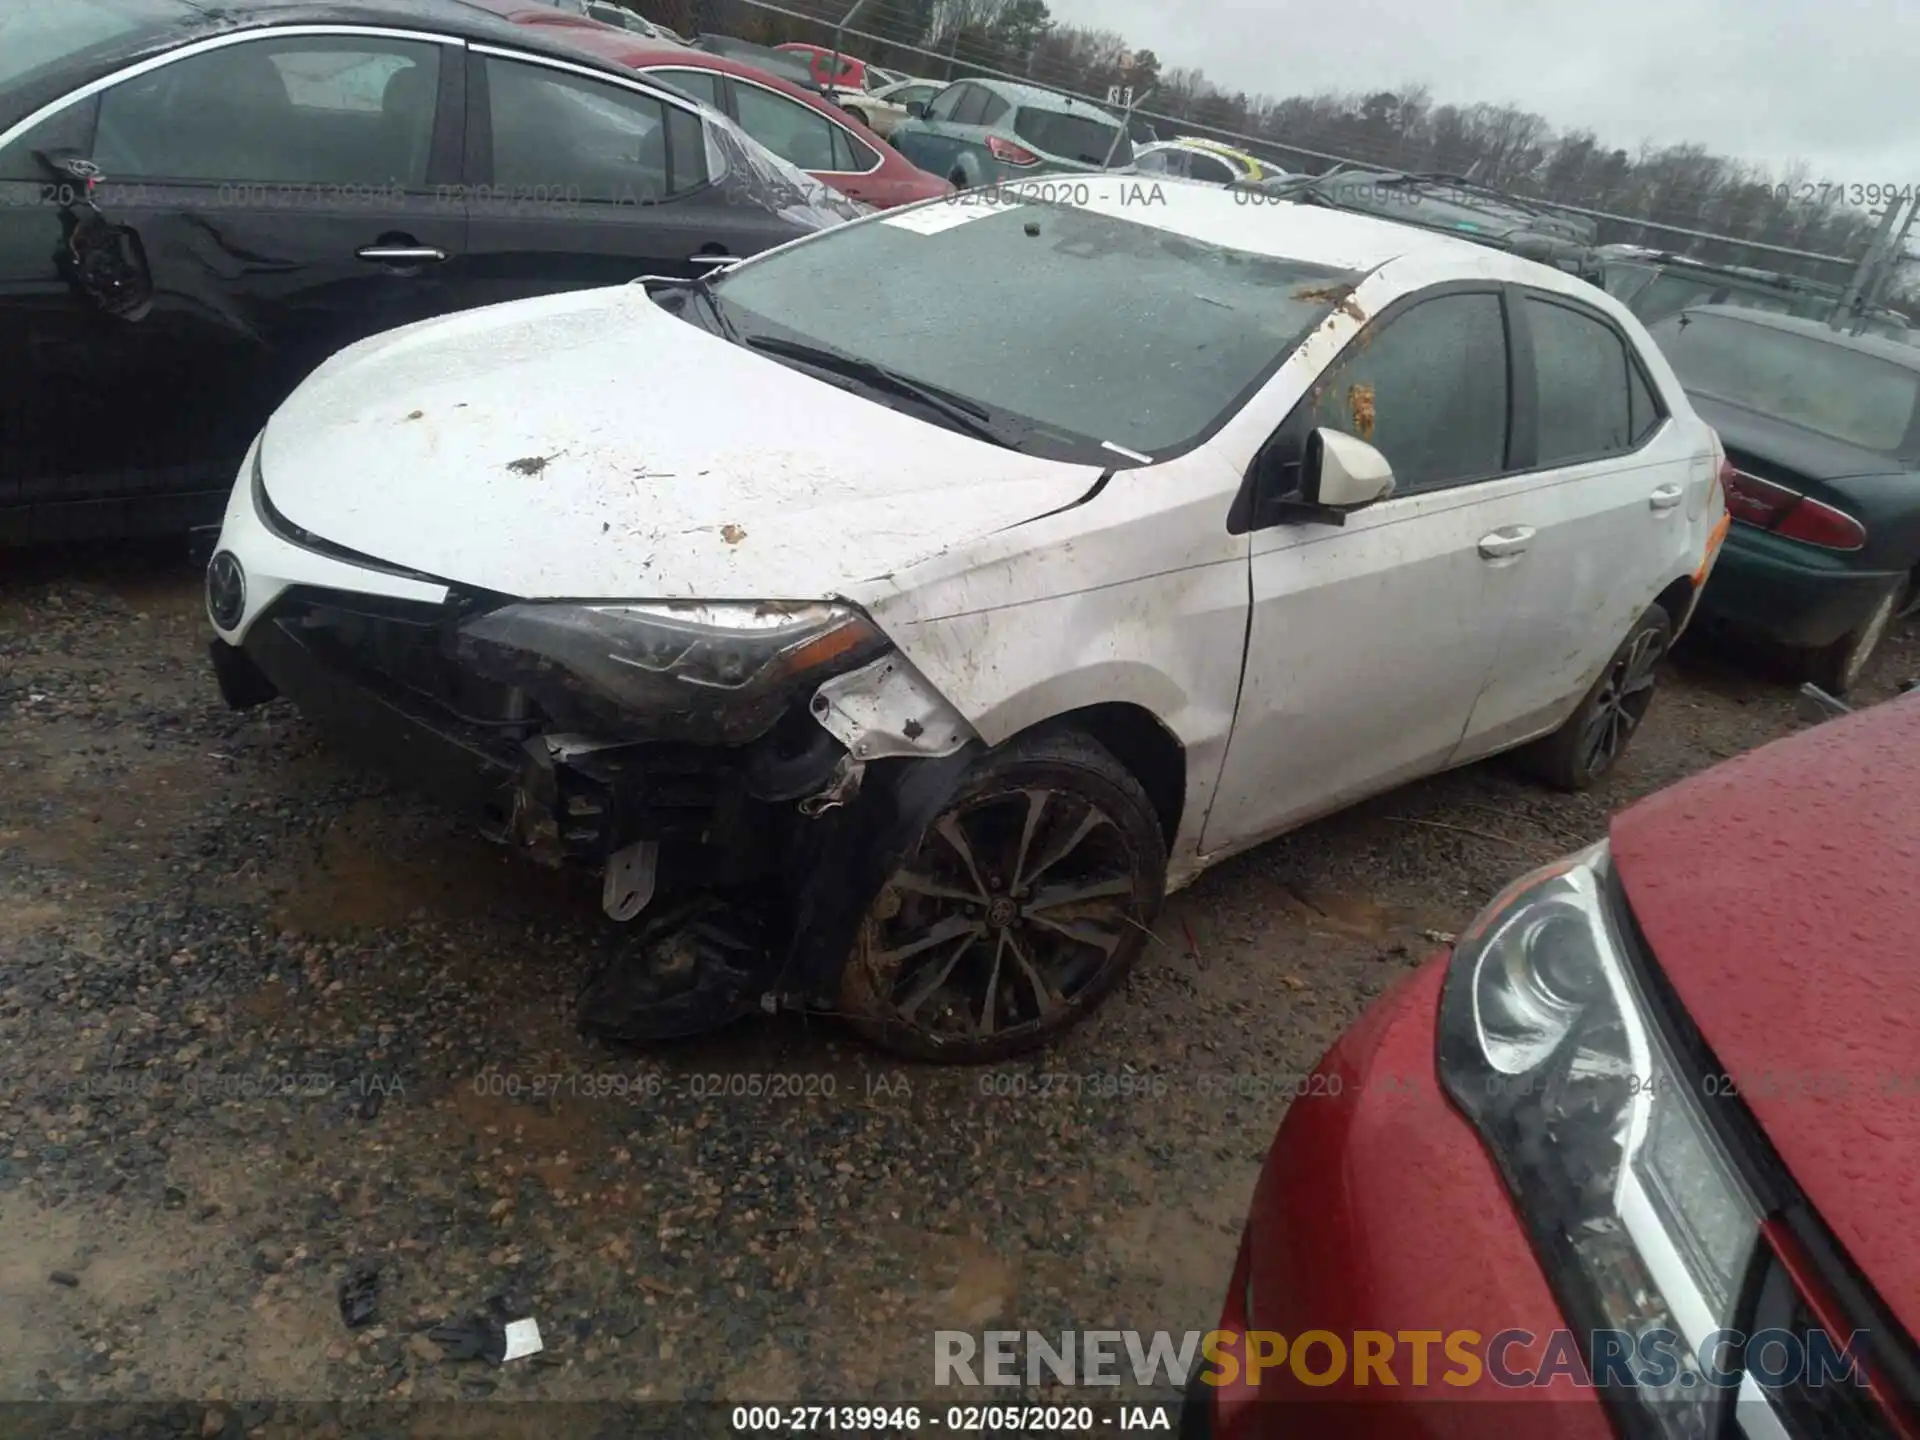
[
  {"x": 1439, "y": 937},
  {"x": 485, "y": 1337},
  {"x": 360, "y": 1295},
  {"x": 478, "y": 1336},
  {"x": 1816, "y": 704},
  {"x": 523, "y": 1338},
  {"x": 695, "y": 965}
]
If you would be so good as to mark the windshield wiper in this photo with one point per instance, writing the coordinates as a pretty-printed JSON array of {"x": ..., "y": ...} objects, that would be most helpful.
[
  {"x": 702, "y": 286},
  {"x": 963, "y": 414}
]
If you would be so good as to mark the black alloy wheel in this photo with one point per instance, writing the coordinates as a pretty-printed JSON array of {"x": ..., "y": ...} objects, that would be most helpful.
[{"x": 1019, "y": 908}]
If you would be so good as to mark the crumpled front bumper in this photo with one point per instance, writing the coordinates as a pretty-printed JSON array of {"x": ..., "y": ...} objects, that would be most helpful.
[{"x": 372, "y": 673}]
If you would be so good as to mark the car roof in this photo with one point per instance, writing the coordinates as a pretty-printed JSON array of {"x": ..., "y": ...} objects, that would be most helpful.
[
  {"x": 481, "y": 20},
  {"x": 1317, "y": 234},
  {"x": 1033, "y": 97},
  {"x": 1897, "y": 351}
]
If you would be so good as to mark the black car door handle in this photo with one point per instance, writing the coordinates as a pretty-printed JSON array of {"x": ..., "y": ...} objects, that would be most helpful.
[{"x": 401, "y": 254}]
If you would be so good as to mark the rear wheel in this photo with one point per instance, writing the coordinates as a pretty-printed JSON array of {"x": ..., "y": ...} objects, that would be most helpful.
[
  {"x": 1596, "y": 735},
  {"x": 1837, "y": 668},
  {"x": 1019, "y": 909}
]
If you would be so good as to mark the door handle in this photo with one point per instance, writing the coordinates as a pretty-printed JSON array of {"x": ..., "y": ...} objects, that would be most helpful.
[
  {"x": 401, "y": 254},
  {"x": 1665, "y": 498},
  {"x": 708, "y": 258},
  {"x": 1507, "y": 541}
]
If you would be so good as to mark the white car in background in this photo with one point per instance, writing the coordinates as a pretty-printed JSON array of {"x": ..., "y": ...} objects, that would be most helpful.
[
  {"x": 882, "y": 109},
  {"x": 1192, "y": 157},
  {"x": 895, "y": 619}
]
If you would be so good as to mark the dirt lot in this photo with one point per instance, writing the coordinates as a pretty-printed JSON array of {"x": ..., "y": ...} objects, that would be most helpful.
[{"x": 262, "y": 1019}]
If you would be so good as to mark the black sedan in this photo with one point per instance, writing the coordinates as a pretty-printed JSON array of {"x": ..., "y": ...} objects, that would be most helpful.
[
  {"x": 200, "y": 203},
  {"x": 1822, "y": 430}
]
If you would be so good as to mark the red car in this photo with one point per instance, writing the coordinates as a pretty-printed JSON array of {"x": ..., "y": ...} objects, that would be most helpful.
[
  {"x": 795, "y": 124},
  {"x": 1645, "y": 1143},
  {"x": 853, "y": 72}
]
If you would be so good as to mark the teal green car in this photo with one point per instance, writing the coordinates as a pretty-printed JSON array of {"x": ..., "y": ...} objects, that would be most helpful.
[
  {"x": 1822, "y": 434},
  {"x": 990, "y": 132}
]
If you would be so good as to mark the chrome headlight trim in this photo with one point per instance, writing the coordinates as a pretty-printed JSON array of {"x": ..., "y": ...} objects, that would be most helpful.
[{"x": 1637, "y": 1211}]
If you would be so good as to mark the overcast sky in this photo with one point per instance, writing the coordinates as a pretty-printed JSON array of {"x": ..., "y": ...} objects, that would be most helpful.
[{"x": 1769, "y": 81}]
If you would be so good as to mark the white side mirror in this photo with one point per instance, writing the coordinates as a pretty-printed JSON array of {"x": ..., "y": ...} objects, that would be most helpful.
[{"x": 1347, "y": 473}]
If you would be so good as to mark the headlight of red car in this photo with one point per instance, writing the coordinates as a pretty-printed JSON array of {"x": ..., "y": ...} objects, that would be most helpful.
[{"x": 1636, "y": 1210}]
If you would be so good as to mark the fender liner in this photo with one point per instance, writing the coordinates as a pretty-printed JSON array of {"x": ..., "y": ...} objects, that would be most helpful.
[{"x": 837, "y": 864}]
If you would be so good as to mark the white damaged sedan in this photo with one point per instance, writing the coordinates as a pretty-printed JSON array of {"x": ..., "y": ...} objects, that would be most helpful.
[{"x": 893, "y": 620}]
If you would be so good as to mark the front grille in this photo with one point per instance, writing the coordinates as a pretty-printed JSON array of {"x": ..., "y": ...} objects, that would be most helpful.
[{"x": 402, "y": 649}]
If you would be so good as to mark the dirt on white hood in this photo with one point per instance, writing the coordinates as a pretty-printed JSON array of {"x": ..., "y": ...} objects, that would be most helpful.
[{"x": 593, "y": 445}]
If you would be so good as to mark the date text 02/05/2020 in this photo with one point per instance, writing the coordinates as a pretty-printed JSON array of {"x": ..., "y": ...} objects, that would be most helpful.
[{"x": 951, "y": 1419}]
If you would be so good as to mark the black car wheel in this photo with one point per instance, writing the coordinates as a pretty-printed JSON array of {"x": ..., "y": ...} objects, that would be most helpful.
[
  {"x": 1837, "y": 668},
  {"x": 1596, "y": 734},
  {"x": 1019, "y": 908}
]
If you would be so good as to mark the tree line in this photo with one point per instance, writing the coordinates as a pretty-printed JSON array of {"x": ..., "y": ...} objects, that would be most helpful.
[{"x": 1500, "y": 145}]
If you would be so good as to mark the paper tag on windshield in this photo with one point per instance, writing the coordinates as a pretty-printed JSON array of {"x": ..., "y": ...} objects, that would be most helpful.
[{"x": 943, "y": 215}]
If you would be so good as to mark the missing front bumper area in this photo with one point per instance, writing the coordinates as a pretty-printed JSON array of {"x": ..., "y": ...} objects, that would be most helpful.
[{"x": 742, "y": 864}]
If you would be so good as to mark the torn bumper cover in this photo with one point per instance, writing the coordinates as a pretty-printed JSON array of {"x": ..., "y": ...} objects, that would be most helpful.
[{"x": 706, "y": 737}]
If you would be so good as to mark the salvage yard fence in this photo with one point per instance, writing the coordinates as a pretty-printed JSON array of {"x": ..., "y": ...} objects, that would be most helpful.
[{"x": 859, "y": 28}]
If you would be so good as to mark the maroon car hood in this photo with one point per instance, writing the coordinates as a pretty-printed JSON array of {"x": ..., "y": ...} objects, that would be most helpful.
[{"x": 1780, "y": 893}]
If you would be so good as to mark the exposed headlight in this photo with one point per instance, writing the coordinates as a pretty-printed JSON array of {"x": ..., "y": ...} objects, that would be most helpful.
[
  {"x": 695, "y": 670},
  {"x": 1636, "y": 1210}
]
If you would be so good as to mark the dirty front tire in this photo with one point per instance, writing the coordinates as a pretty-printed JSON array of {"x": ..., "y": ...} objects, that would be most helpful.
[
  {"x": 1837, "y": 668},
  {"x": 1596, "y": 734},
  {"x": 1019, "y": 908}
]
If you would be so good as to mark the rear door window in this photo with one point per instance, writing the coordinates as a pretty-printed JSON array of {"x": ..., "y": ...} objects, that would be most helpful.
[
  {"x": 972, "y": 106},
  {"x": 701, "y": 85},
  {"x": 795, "y": 132},
  {"x": 851, "y": 154},
  {"x": 566, "y": 137},
  {"x": 1644, "y": 411},
  {"x": 944, "y": 103},
  {"x": 1580, "y": 368},
  {"x": 1211, "y": 168}
]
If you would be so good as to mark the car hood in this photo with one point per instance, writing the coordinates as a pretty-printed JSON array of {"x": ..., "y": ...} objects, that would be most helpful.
[
  {"x": 594, "y": 445},
  {"x": 1777, "y": 894}
]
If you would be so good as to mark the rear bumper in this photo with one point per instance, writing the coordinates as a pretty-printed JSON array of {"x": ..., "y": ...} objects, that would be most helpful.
[
  {"x": 1789, "y": 593},
  {"x": 1341, "y": 1239}
]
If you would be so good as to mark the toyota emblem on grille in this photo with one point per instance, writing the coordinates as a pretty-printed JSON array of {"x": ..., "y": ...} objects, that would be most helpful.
[{"x": 226, "y": 590}]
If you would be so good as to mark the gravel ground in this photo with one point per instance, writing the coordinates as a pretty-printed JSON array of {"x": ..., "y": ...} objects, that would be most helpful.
[{"x": 265, "y": 1020}]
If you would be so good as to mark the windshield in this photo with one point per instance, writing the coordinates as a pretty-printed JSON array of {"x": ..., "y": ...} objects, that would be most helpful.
[
  {"x": 1072, "y": 137},
  {"x": 1092, "y": 331},
  {"x": 1800, "y": 379},
  {"x": 35, "y": 36}
]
